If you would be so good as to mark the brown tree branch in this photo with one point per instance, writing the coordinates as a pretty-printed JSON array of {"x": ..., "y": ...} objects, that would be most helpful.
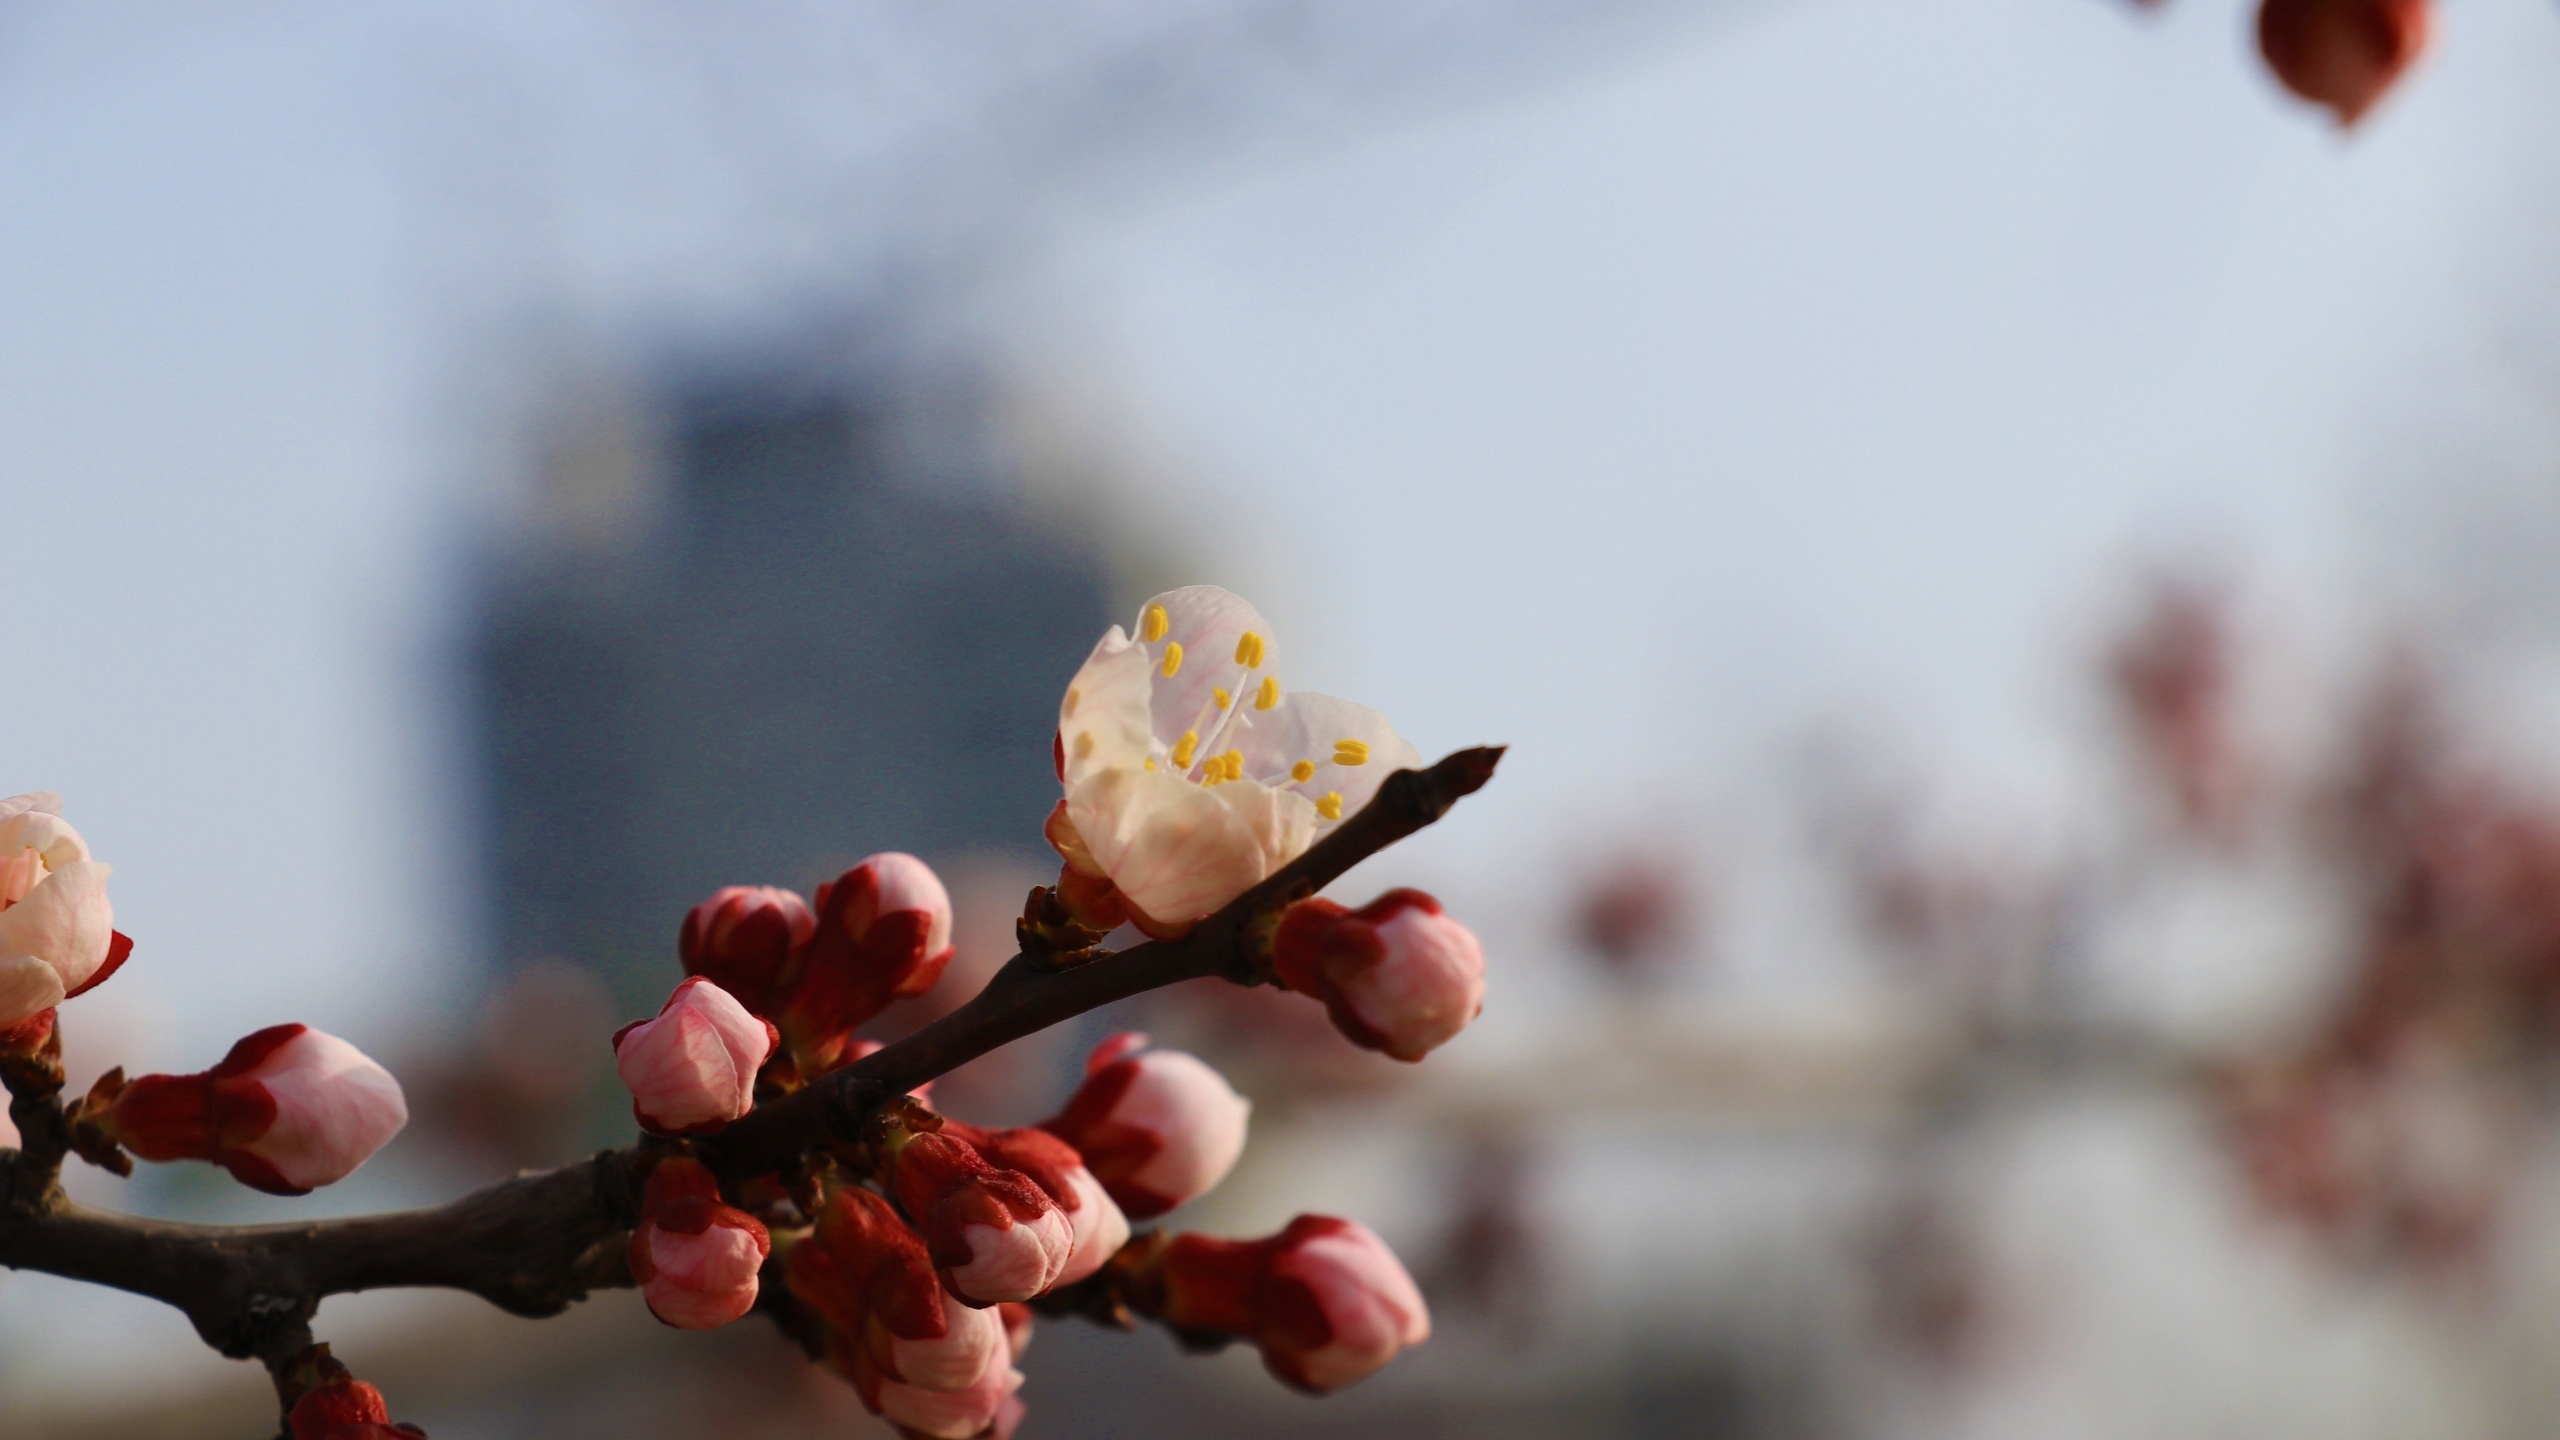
[{"x": 537, "y": 1243}]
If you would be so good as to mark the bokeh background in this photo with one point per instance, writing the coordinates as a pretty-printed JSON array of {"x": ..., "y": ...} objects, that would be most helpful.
[{"x": 2014, "y": 560}]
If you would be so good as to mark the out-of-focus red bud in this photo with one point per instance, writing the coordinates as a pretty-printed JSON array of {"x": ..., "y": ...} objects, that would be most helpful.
[
  {"x": 1157, "y": 1127},
  {"x": 1326, "y": 1301},
  {"x": 692, "y": 1069},
  {"x": 1096, "y": 1221},
  {"x": 912, "y": 1351},
  {"x": 696, "y": 1257},
  {"x": 288, "y": 1110},
  {"x": 883, "y": 933},
  {"x": 1397, "y": 974},
  {"x": 741, "y": 939},
  {"x": 994, "y": 1234},
  {"x": 346, "y": 1409},
  {"x": 2344, "y": 54}
]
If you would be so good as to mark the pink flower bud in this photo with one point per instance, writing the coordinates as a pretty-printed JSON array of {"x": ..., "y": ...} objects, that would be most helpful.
[
  {"x": 865, "y": 1273},
  {"x": 1018, "y": 1319},
  {"x": 1094, "y": 1219},
  {"x": 1157, "y": 1127},
  {"x": 741, "y": 939},
  {"x": 696, "y": 1258},
  {"x": 346, "y": 1409},
  {"x": 57, "y": 931},
  {"x": 2345, "y": 54},
  {"x": 1396, "y": 974},
  {"x": 948, "y": 1414},
  {"x": 693, "y": 1069},
  {"x": 1326, "y": 1300},
  {"x": 994, "y": 1234},
  {"x": 288, "y": 1110},
  {"x": 883, "y": 933}
]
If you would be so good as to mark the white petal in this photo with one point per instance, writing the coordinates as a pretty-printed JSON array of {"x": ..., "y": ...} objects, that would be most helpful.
[
  {"x": 1308, "y": 727},
  {"x": 65, "y": 921},
  {"x": 1209, "y": 624},
  {"x": 1283, "y": 822},
  {"x": 44, "y": 800},
  {"x": 1104, "y": 720},
  {"x": 45, "y": 833},
  {"x": 1173, "y": 848},
  {"x": 28, "y": 987}
]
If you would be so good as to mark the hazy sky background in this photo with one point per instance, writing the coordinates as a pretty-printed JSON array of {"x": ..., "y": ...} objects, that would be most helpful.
[{"x": 1784, "y": 363}]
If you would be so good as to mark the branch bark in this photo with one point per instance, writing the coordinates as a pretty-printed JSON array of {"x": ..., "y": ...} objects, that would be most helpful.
[{"x": 538, "y": 1243}]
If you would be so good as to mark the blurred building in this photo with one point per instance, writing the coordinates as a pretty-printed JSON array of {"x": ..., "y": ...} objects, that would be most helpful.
[{"x": 769, "y": 623}]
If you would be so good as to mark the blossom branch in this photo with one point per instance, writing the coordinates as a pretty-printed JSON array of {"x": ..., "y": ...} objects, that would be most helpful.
[{"x": 537, "y": 1243}]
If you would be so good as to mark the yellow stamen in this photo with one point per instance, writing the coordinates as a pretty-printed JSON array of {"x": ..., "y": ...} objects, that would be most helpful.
[
  {"x": 1182, "y": 751},
  {"x": 1153, "y": 627},
  {"x": 1075, "y": 697},
  {"x": 1151, "y": 762},
  {"x": 1249, "y": 650},
  {"x": 1330, "y": 807},
  {"x": 1219, "y": 694},
  {"x": 1303, "y": 771},
  {"x": 1084, "y": 743},
  {"x": 1350, "y": 752},
  {"x": 1172, "y": 658},
  {"x": 1269, "y": 694},
  {"x": 1233, "y": 763}
]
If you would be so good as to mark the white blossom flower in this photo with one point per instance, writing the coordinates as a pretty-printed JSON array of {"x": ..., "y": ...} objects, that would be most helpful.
[{"x": 1191, "y": 771}]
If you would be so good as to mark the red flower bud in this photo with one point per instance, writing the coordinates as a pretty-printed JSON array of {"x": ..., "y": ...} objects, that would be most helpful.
[
  {"x": 1396, "y": 974},
  {"x": 693, "y": 1069},
  {"x": 1093, "y": 1218},
  {"x": 883, "y": 933},
  {"x": 741, "y": 939},
  {"x": 288, "y": 1110},
  {"x": 1157, "y": 1127},
  {"x": 864, "y": 1272},
  {"x": 994, "y": 1234},
  {"x": 1326, "y": 1301},
  {"x": 346, "y": 1409},
  {"x": 2345, "y": 54},
  {"x": 696, "y": 1258}
]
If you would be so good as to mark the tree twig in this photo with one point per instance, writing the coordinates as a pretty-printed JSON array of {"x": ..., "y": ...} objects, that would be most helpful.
[{"x": 538, "y": 1243}]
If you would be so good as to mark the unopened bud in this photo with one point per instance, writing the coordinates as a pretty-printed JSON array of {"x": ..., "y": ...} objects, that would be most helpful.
[
  {"x": 693, "y": 1069},
  {"x": 288, "y": 1110},
  {"x": 1094, "y": 1219},
  {"x": 994, "y": 1234},
  {"x": 696, "y": 1258},
  {"x": 741, "y": 939},
  {"x": 2344, "y": 54},
  {"x": 1325, "y": 1300},
  {"x": 883, "y": 933},
  {"x": 341, "y": 1407},
  {"x": 1396, "y": 974},
  {"x": 1156, "y": 1127}
]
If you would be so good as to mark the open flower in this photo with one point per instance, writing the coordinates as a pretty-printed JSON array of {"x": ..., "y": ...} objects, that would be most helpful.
[
  {"x": 1326, "y": 1301},
  {"x": 1396, "y": 974},
  {"x": 288, "y": 1110},
  {"x": 697, "y": 1259},
  {"x": 57, "y": 931},
  {"x": 1157, "y": 1127},
  {"x": 692, "y": 1069},
  {"x": 1190, "y": 772}
]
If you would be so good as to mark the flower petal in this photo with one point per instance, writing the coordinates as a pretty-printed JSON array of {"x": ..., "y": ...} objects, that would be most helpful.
[
  {"x": 44, "y": 800},
  {"x": 1310, "y": 729},
  {"x": 1211, "y": 627},
  {"x": 1174, "y": 849},
  {"x": 28, "y": 986},
  {"x": 64, "y": 920},
  {"x": 1283, "y": 822},
  {"x": 1105, "y": 719},
  {"x": 45, "y": 833}
]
